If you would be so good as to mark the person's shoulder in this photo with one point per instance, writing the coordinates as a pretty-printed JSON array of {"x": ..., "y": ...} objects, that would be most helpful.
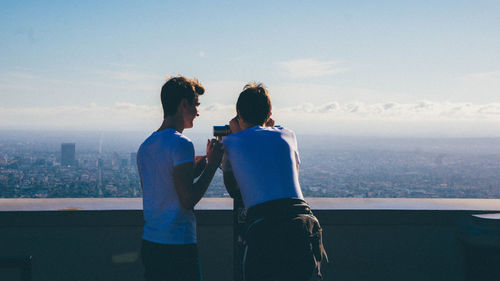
[
  {"x": 170, "y": 139},
  {"x": 229, "y": 138},
  {"x": 236, "y": 138},
  {"x": 182, "y": 137},
  {"x": 181, "y": 140},
  {"x": 173, "y": 135},
  {"x": 147, "y": 141},
  {"x": 288, "y": 135},
  {"x": 148, "y": 146},
  {"x": 284, "y": 130}
]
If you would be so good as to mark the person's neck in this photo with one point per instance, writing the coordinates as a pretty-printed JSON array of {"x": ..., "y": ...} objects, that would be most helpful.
[
  {"x": 245, "y": 125},
  {"x": 172, "y": 122}
]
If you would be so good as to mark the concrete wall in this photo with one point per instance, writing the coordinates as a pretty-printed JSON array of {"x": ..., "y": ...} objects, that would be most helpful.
[{"x": 362, "y": 244}]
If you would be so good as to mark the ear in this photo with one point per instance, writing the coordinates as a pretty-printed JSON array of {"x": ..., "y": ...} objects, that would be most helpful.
[
  {"x": 268, "y": 118},
  {"x": 239, "y": 115},
  {"x": 184, "y": 103}
]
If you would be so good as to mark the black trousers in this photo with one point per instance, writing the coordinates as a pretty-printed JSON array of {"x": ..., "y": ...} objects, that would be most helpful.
[
  {"x": 170, "y": 262},
  {"x": 283, "y": 242}
]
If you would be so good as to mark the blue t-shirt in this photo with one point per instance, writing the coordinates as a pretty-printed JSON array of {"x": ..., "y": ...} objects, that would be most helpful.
[
  {"x": 166, "y": 221},
  {"x": 264, "y": 161}
]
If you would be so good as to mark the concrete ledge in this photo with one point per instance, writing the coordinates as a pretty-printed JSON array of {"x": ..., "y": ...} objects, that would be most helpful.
[
  {"x": 103, "y": 204},
  {"x": 366, "y": 239}
]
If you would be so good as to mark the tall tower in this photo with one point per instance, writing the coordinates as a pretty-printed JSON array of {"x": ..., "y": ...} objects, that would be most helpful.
[{"x": 68, "y": 154}]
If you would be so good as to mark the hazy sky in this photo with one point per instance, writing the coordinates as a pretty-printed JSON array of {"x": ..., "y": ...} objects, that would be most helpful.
[{"x": 341, "y": 67}]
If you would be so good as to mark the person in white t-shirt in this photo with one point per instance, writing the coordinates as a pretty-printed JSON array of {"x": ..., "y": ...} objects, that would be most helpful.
[
  {"x": 167, "y": 168},
  {"x": 283, "y": 239}
]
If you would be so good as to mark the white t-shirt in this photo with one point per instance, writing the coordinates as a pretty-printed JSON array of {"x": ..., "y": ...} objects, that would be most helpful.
[
  {"x": 264, "y": 162},
  {"x": 166, "y": 221}
]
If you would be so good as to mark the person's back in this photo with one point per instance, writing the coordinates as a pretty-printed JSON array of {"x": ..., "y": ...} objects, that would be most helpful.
[
  {"x": 283, "y": 237},
  {"x": 167, "y": 168},
  {"x": 272, "y": 154}
]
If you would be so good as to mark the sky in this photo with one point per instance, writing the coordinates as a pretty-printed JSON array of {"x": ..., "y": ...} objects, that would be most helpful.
[{"x": 355, "y": 68}]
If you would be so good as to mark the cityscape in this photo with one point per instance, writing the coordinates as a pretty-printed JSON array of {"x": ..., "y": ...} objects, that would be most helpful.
[
  {"x": 67, "y": 174},
  {"x": 330, "y": 167}
]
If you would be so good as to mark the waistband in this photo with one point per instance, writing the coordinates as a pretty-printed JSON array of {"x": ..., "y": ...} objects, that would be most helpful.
[{"x": 286, "y": 207}]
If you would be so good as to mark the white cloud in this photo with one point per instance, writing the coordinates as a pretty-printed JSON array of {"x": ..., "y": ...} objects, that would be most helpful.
[
  {"x": 422, "y": 119},
  {"x": 288, "y": 94},
  {"x": 421, "y": 111},
  {"x": 25, "y": 88},
  {"x": 305, "y": 68},
  {"x": 21, "y": 75},
  {"x": 218, "y": 108},
  {"x": 493, "y": 76},
  {"x": 26, "y": 81},
  {"x": 119, "y": 115},
  {"x": 355, "y": 118}
]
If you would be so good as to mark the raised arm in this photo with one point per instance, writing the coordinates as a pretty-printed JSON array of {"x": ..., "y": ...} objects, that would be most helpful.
[
  {"x": 200, "y": 162},
  {"x": 190, "y": 193}
]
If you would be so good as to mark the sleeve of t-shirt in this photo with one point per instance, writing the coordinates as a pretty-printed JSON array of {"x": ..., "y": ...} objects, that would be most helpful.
[
  {"x": 296, "y": 149},
  {"x": 183, "y": 152}
]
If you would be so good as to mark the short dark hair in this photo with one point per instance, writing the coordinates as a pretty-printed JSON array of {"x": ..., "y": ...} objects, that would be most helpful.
[
  {"x": 254, "y": 104},
  {"x": 177, "y": 88}
]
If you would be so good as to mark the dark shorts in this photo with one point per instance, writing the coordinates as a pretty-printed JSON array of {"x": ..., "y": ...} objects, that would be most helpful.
[
  {"x": 287, "y": 246},
  {"x": 170, "y": 262}
]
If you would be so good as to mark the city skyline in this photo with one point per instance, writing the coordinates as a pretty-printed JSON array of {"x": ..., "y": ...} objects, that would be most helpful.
[
  {"x": 360, "y": 68},
  {"x": 381, "y": 168}
]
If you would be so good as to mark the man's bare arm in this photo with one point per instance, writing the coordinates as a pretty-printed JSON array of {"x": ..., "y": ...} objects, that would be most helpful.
[
  {"x": 191, "y": 193},
  {"x": 200, "y": 162}
]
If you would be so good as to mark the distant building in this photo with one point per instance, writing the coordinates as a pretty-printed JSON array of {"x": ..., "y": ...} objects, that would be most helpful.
[
  {"x": 133, "y": 159},
  {"x": 124, "y": 163},
  {"x": 68, "y": 154},
  {"x": 100, "y": 167}
]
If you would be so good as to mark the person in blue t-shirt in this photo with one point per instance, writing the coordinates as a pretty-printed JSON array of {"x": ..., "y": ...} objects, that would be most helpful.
[
  {"x": 283, "y": 239},
  {"x": 167, "y": 169}
]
